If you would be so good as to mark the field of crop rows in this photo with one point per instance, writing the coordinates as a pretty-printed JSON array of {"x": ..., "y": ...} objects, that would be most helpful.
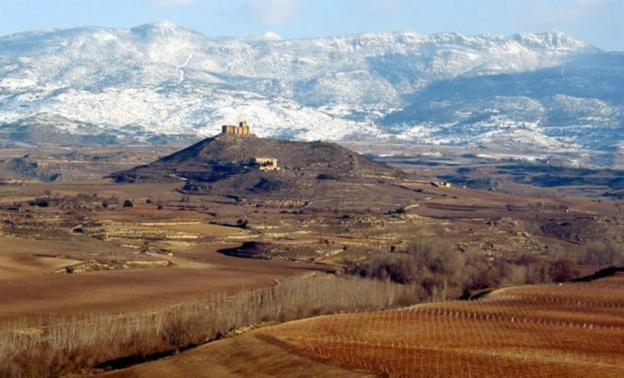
[{"x": 540, "y": 331}]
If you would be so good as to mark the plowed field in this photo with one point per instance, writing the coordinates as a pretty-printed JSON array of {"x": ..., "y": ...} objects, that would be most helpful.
[{"x": 539, "y": 331}]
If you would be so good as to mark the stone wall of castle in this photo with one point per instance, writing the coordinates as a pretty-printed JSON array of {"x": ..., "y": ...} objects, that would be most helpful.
[{"x": 241, "y": 130}]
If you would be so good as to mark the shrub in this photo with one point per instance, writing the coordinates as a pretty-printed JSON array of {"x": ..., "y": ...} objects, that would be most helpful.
[
  {"x": 562, "y": 270},
  {"x": 397, "y": 269},
  {"x": 40, "y": 202},
  {"x": 442, "y": 271},
  {"x": 603, "y": 253}
]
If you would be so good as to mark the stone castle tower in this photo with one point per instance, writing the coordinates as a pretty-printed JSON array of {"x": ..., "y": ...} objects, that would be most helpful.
[{"x": 242, "y": 129}]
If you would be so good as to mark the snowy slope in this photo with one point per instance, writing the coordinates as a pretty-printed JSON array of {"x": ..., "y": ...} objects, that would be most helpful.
[{"x": 443, "y": 88}]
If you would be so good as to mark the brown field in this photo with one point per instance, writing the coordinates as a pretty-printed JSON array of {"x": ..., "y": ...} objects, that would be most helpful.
[
  {"x": 242, "y": 356},
  {"x": 565, "y": 330},
  {"x": 98, "y": 343},
  {"x": 25, "y": 259},
  {"x": 539, "y": 331},
  {"x": 39, "y": 296},
  {"x": 81, "y": 254},
  {"x": 187, "y": 234},
  {"x": 35, "y": 288}
]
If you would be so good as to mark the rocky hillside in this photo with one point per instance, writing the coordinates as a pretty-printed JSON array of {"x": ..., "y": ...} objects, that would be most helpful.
[{"x": 312, "y": 172}]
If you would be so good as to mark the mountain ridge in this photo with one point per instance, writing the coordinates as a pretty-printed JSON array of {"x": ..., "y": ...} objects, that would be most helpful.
[
  {"x": 169, "y": 27},
  {"x": 163, "y": 79}
]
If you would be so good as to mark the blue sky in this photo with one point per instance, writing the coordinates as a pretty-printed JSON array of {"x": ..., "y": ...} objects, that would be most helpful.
[{"x": 600, "y": 22}]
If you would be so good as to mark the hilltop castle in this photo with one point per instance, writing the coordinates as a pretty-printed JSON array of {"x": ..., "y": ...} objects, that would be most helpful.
[{"x": 241, "y": 130}]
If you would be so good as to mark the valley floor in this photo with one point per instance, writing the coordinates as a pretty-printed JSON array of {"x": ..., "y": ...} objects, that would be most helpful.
[{"x": 79, "y": 249}]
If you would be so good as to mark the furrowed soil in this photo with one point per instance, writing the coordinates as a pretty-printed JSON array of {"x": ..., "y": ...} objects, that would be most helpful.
[
  {"x": 242, "y": 356},
  {"x": 542, "y": 331}
]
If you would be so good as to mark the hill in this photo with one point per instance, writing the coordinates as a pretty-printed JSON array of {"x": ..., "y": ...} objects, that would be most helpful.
[
  {"x": 305, "y": 172},
  {"x": 51, "y": 130}
]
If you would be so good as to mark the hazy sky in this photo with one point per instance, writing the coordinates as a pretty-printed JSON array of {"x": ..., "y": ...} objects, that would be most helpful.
[{"x": 600, "y": 22}]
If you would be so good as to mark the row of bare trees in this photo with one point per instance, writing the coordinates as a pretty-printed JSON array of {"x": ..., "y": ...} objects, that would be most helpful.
[{"x": 77, "y": 345}]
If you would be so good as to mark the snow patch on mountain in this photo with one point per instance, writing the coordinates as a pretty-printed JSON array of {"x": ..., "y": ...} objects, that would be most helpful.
[{"x": 534, "y": 89}]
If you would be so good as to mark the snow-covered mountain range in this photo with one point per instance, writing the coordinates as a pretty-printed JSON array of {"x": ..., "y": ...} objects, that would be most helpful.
[{"x": 546, "y": 91}]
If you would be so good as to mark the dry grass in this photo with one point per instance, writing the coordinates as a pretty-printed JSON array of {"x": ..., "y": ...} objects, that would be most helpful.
[{"x": 80, "y": 344}]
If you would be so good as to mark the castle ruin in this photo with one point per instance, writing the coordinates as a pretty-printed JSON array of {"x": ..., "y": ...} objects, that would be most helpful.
[
  {"x": 266, "y": 164},
  {"x": 241, "y": 130}
]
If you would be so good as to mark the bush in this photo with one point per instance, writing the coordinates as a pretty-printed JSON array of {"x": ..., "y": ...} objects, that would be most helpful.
[
  {"x": 325, "y": 176},
  {"x": 562, "y": 270},
  {"x": 437, "y": 267},
  {"x": 395, "y": 268},
  {"x": 603, "y": 253},
  {"x": 442, "y": 271},
  {"x": 128, "y": 203},
  {"x": 40, "y": 202},
  {"x": 437, "y": 256}
]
